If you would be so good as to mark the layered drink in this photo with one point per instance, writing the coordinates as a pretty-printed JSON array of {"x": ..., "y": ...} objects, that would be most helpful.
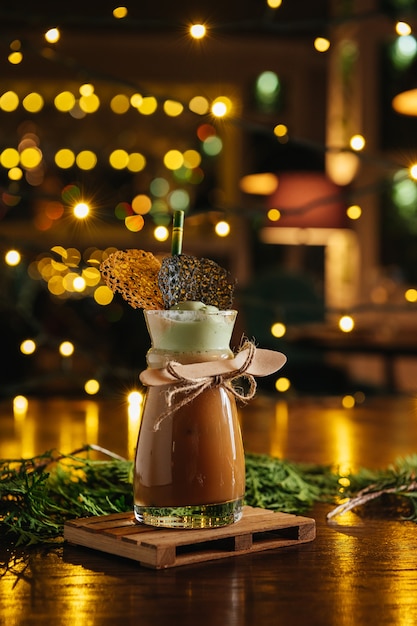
[{"x": 190, "y": 468}]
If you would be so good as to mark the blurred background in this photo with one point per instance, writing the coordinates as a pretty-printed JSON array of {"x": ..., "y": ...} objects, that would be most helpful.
[{"x": 286, "y": 130}]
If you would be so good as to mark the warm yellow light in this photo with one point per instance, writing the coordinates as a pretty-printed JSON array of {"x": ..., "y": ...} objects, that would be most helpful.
[
  {"x": 161, "y": 233},
  {"x": 280, "y": 130},
  {"x": 278, "y": 330},
  {"x": 56, "y": 285},
  {"x": 192, "y": 158},
  {"x": 20, "y": 405},
  {"x": 222, "y": 228},
  {"x": 357, "y": 143},
  {"x": 120, "y": 12},
  {"x": 413, "y": 171},
  {"x": 66, "y": 348},
  {"x": 64, "y": 101},
  {"x": 135, "y": 398},
  {"x": 411, "y": 295},
  {"x": 199, "y": 105},
  {"x": 321, "y": 44},
  {"x": 141, "y": 204},
  {"x": 92, "y": 386},
  {"x": 136, "y": 162},
  {"x": 15, "y": 173},
  {"x": 221, "y": 106},
  {"x": 33, "y": 102},
  {"x": 103, "y": 295},
  {"x": 65, "y": 158},
  {"x": 86, "y": 160},
  {"x": 28, "y": 346},
  {"x": 9, "y": 158},
  {"x": 402, "y": 29},
  {"x": 148, "y": 105},
  {"x": 274, "y": 4},
  {"x": 274, "y": 215},
  {"x": 119, "y": 159},
  {"x": 79, "y": 284},
  {"x": 86, "y": 89},
  {"x": 262, "y": 184},
  {"x": 91, "y": 276},
  {"x": 173, "y": 160},
  {"x": 9, "y": 101},
  {"x": 90, "y": 103},
  {"x": 346, "y": 323},
  {"x": 68, "y": 281},
  {"x": 81, "y": 210},
  {"x": 30, "y": 158},
  {"x": 134, "y": 223},
  {"x": 172, "y": 108},
  {"x": 12, "y": 257},
  {"x": 120, "y": 104},
  {"x": 354, "y": 212},
  {"x": 15, "y": 58},
  {"x": 197, "y": 31},
  {"x": 282, "y": 384},
  {"x": 348, "y": 402},
  {"x": 52, "y": 35},
  {"x": 136, "y": 100}
]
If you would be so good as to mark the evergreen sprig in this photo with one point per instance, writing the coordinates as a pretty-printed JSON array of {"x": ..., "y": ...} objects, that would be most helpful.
[{"x": 38, "y": 495}]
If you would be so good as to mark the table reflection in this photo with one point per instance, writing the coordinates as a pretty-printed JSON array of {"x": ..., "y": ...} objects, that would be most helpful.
[{"x": 317, "y": 430}]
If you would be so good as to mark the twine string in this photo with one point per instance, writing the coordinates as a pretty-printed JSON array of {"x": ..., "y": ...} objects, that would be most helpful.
[{"x": 190, "y": 388}]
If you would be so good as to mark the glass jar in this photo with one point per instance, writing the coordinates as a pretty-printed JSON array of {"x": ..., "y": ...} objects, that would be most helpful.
[{"x": 190, "y": 465}]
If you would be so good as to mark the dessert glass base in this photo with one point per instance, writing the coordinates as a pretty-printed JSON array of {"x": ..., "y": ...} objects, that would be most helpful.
[{"x": 195, "y": 516}]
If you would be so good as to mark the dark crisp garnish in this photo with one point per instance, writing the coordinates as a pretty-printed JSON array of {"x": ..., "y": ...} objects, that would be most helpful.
[{"x": 186, "y": 278}]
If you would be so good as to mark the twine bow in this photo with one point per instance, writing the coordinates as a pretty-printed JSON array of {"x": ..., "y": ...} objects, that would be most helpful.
[{"x": 189, "y": 381}]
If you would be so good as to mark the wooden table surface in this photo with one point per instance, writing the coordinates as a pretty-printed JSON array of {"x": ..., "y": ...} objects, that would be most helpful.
[{"x": 359, "y": 571}]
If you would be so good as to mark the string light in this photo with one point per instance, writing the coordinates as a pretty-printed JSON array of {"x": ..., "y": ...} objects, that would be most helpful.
[
  {"x": 15, "y": 58},
  {"x": 346, "y": 323},
  {"x": 197, "y": 31},
  {"x": 354, "y": 212},
  {"x": 222, "y": 228},
  {"x": 12, "y": 257},
  {"x": 411, "y": 295},
  {"x": 413, "y": 171},
  {"x": 348, "y": 402},
  {"x": 52, "y": 35},
  {"x": 221, "y": 106},
  {"x": 66, "y": 349},
  {"x": 161, "y": 233},
  {"x": 282, "y": 384},
  {"x": 403, "y": 29},
  {"x": 28, "y": 346},
  {"x": 120, "y": 12},
  {"x": 357, "y": 143},
  {"x": 81, "y": 210},
  {"x": 92, "y": 387},
  {"x": 89, "y": 102},
  {"x": 321, "y": 44},
  {"x": 278, "y": 330}
]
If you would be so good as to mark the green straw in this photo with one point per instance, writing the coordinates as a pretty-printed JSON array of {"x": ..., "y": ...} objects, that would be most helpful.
[{"x": 177, "y": 232}]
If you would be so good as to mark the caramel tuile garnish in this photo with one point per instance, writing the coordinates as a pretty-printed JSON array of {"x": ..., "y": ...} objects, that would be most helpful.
[{"x": 134, "y": 274}]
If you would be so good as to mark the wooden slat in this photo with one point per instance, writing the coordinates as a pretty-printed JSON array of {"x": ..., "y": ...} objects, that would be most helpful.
[{"x": 158, "y": 548}]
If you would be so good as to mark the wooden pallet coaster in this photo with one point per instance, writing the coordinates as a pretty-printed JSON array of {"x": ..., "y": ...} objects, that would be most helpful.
[{"x": 159, "y": 548}]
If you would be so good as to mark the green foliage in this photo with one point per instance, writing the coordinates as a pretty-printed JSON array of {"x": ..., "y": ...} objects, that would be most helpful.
[
  {"x": 279, "y": 485},
  {"x": 38, "y": 495}
]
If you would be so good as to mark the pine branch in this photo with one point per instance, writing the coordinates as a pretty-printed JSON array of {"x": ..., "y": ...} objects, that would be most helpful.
[{"x": 38, "y": 495}]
